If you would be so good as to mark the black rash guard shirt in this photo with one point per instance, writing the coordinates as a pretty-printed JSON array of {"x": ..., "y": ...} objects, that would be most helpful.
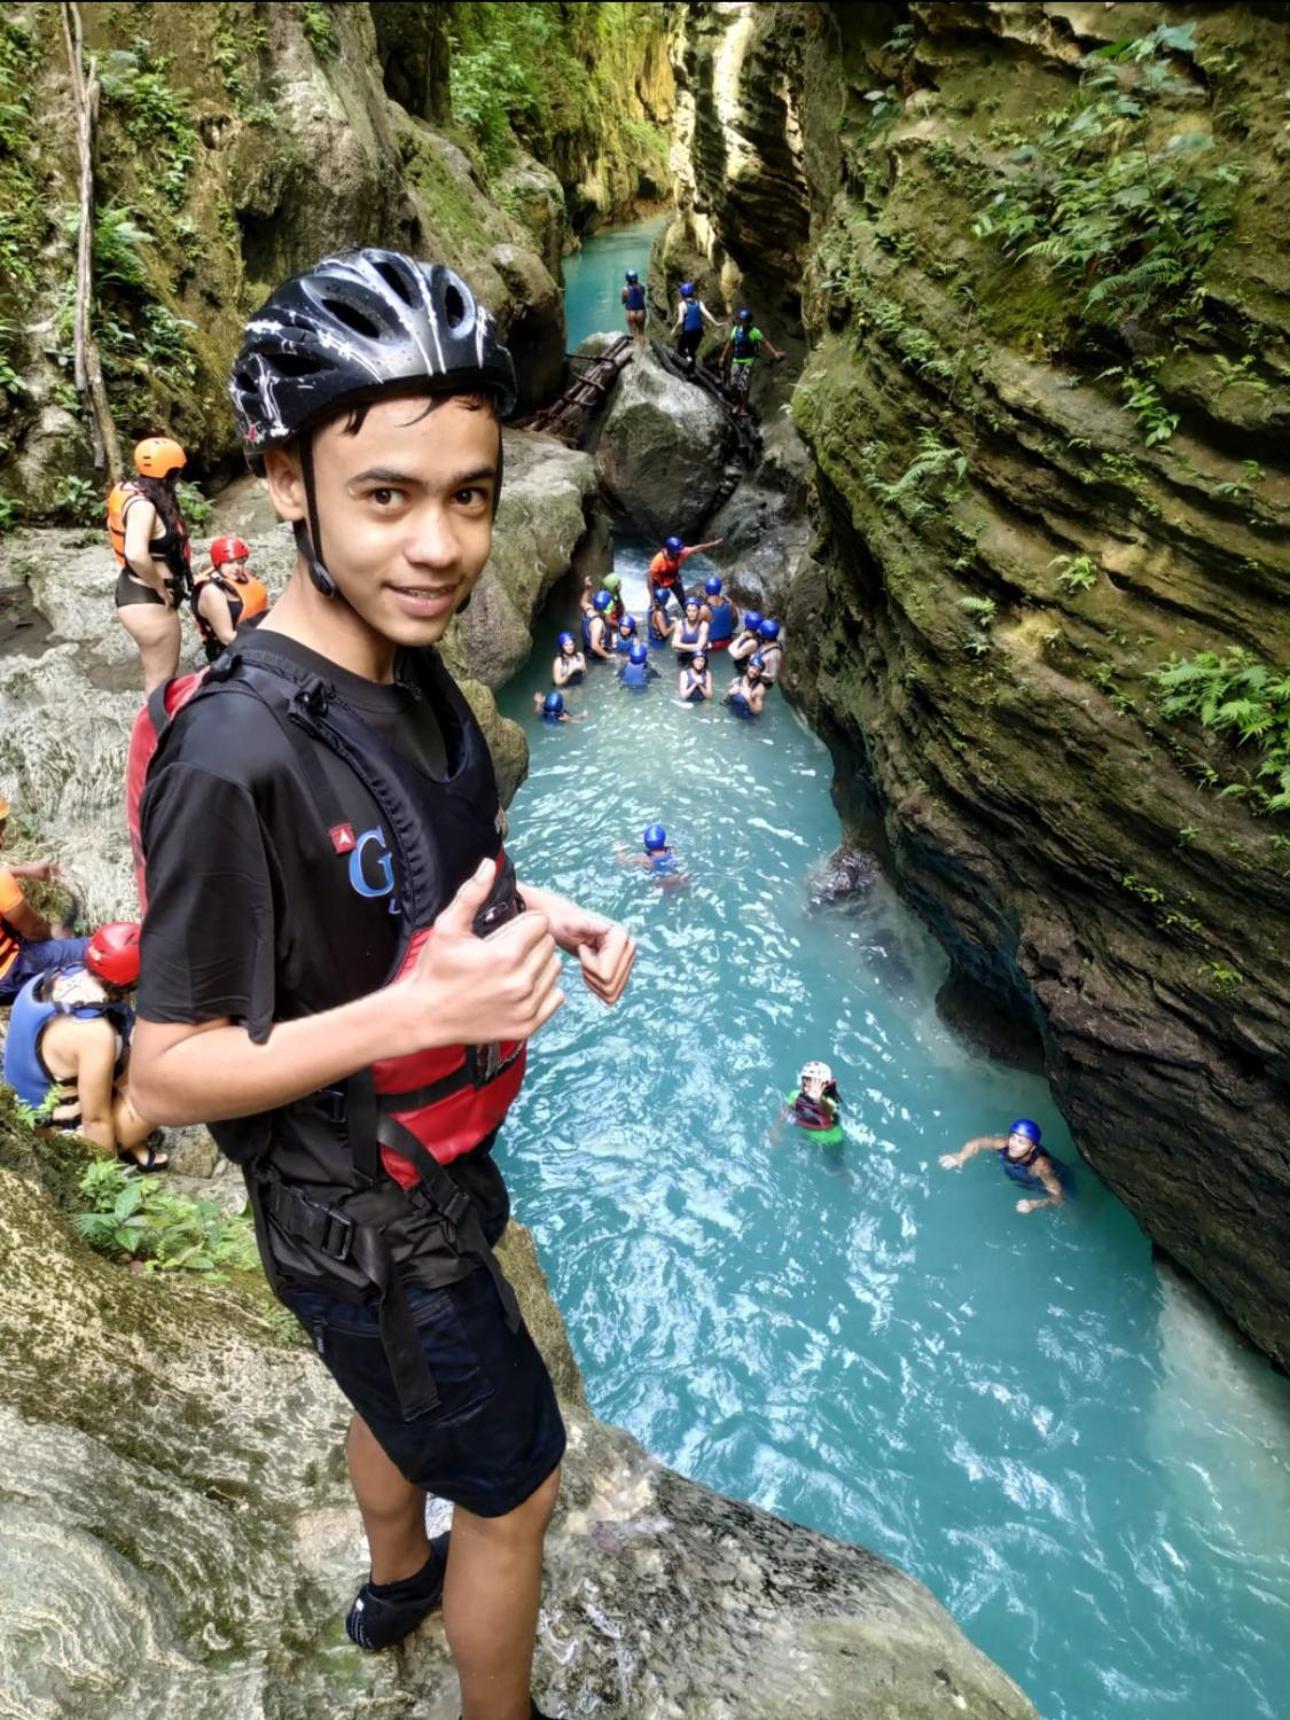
[{"x": 254, "y": 916}]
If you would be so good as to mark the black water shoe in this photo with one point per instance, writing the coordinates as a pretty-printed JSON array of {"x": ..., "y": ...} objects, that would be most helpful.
[{"x": 384, "y": 1613}]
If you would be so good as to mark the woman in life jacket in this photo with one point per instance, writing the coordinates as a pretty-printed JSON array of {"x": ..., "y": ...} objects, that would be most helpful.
[
  {"x": 815, "y": 1105},
  {"x": 691, "y": 314},
  {"x": 661, "y": 621},
  {"x": 1024, "y": 1161},
  {"x": 226, "y": 597},
  {"x": 719, "y": 613},
  {"x": 633, "y": 297},
  {"x": 748, "y": 639},
  {"x": 691, "y": 632},
  {"x": 771, "y": 649},
  {"x": 624, "y": 634},
  {"x": 597, "y": 636},
  {"x": 68, "y": 1045},
  {"x": 659, "y": 858},
  {"x": 637, "y": 672},
  {"x": 150, "y": 542},
  {"x": 570, "y": 666},
  {"x": 747, "y": 695},
  {"x": 694, "y": 683}
]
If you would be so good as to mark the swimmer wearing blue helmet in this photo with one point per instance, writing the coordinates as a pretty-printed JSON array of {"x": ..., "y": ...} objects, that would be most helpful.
[
  {"x": 625, "y": 634},
  {"x": 771, "y": 648},
  {"x": 570, "y": 665},
  {"x": 748, "y": 639},
  {"x": 637, "y": 672},
  {"x": 1024, "y": 1161},
  {"x": 550, "y": 708},
  {"x": 746, "y": 696},
  {"x": 694, "y": 683},
  {"x": 659, "y": 858},
  {"x": 719, "y": 613},
  {"x": 597, "y": 632},
  {"x": 661, "y": 621}
]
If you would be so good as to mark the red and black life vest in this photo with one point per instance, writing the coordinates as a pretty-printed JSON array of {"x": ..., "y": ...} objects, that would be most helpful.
[{"x": 396, "y": 1124}]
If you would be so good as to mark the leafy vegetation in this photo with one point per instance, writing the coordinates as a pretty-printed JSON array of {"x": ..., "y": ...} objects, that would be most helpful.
[
  {"x": 1078, "y": 572},
  {"x": 938, "y": 471},
  {"x": 1235, "y": 696},
  {"x": 22, "y": 213},
  {"x": 241, "y": 36},
  {"x": 155, "y": 116},
  {"x": 78, "y": 500},
  {"x": 194, "y": 504},
  {"x": 138, "y": 1220},
  {"x": 1124, "y": 214},
  {"x": 320, "y": 30}
]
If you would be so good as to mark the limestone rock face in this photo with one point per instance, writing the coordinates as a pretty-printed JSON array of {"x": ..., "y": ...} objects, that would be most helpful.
[
  {"x": 661, "y": 449},
  {"x": 177, "y": 1534},
  {"x": 1046, "y": 819}
]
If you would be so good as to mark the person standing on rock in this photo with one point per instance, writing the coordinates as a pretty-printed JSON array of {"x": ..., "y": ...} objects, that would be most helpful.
[
  {"x": 150, "y": 542},
  {"x": 334, "y": 820},
  {"x": 634, "y": 301},
  {"x": 665, "y": 568},
  {"x": 29, "y": 945},
  {"x": 691, "y": 314},
  {"x": 739, "y": 355}
]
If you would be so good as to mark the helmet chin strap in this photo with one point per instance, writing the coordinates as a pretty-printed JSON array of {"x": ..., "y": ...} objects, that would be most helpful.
[{"x": 308, "y": 537}]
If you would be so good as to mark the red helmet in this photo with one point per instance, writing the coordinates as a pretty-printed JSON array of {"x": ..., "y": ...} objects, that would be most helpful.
[
  {"x": 113, "y": 953},
  {"x": 229, "y": 549}
]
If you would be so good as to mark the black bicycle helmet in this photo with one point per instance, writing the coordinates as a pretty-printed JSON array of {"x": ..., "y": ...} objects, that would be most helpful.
[
  {"x": 349, "y": 330},
  {"x": 357, "y": 326}
]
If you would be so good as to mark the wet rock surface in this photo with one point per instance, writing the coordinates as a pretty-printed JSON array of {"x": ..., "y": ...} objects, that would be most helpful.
[{"x": 196, "y": 1555}]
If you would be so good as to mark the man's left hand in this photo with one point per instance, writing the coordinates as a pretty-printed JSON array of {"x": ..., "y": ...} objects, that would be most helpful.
[{"x": 605, "y": 951}]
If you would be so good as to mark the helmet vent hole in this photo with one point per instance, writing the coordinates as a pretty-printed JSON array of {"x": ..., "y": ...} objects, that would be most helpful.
[
  {"x": 296, "y": 364},
  {"x": 353, "y": 318},
  {"x": 395, "y": 281},
  {"x": 454, "y": 307}
]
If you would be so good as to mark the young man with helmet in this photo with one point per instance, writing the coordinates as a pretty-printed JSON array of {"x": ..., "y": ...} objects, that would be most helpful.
[
  {"x": 665, "y": 567},
  {"x": 150, "y": 542},
  {"x": 68, "y": 1043},
  {"x": 226, "y": 597},
  {"x": 739, "y": 355},
  {"x": 29, "y": 945},
  {"x": 341, "y": 971}
]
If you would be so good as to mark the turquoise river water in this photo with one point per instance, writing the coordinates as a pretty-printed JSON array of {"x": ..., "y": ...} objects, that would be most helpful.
[{"x": 1063, "y": 1443}]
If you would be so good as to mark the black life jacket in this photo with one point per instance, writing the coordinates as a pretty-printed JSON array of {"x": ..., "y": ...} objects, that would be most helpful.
[
  {"x": 396, "y": 1124},
  {"x": 248, "y": 604}
]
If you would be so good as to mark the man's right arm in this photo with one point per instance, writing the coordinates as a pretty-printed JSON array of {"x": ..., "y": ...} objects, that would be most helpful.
[{"x": 970, "y": 1149}]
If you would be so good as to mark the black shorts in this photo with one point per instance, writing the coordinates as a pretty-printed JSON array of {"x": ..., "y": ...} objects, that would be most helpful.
[
  {"x": 496, "y": 1433},
  {"x": 130, "y": 590}
]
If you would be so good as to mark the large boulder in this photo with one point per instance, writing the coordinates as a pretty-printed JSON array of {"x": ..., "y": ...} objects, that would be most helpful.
[
  {"x": 179, "y": 1537},
  {"x": 662, "y": 449}
]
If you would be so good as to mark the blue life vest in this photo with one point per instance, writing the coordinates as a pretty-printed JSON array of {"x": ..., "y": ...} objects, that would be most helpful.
[
  {"x": 623, "y": 643},
  {"x": 663, "y": 863},
  {"x": 745, "y": 347},
  {"x": 636, "y": 297},
  {"x": 24, "y": 1067},
  {"x": 1020, "y": 1172},
  {"x": 692, "y": 321},
  {"x": 552, "y": 716},
  {"x": 722, "y": 626},
  {"x": 694, "y": 692},
  {"x": 689, "y": 636},
  {"x": 738, "y": 704},
  {"x": 586, "y": 631},
  {"x": 635, "y": 675}
]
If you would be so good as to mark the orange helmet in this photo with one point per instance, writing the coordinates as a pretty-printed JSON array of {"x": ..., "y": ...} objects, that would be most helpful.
[
  {"x": 157, "y": 456},
  {"x": 228, "y": 549},
  {"x": 112, "y": 954}
]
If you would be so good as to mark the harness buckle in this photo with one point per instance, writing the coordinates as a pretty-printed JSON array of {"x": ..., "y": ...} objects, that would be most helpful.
[
  {"x": 338, "y": 1236},
  {"x": 225, "y": 666},
  {"x": 314, "y": 696}
]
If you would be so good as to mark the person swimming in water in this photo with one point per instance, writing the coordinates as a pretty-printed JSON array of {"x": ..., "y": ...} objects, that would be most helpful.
[
  {"x": 815, "y": 1105},
  {"x": 659, "y": 859},
  {"x": 633, "y": 297},
  {"x": 690, "y": 633},
  {"x": 637, "y": 672},
  {"x": 597, "y": 637},
  {"x": 624, "y": 634},
  {"x": 748, "y": 639},
  {"x": 771, "y": 649},
  {"x": 661, "y": 621},
  {"x": 747, "y": 694},
  {"x": 570, "y": 666},
  {"x": 694, "y": 683},
  {"x": 613, "y": 584},
  {"x": 1024, "y": 1160},
  {"x": 719, "y": 613},
  {"x": 550, "y": 707}
]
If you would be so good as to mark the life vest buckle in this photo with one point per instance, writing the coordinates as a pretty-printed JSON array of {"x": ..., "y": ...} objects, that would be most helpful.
[{"x": 314, "y": 696}]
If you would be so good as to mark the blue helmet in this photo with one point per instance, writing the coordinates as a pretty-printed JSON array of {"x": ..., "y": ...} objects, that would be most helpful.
[
  {"x": 752, "y": 621},
  {"x": 769, "y": 630},
  {"x": 1024, "y": 1126},
  {"x": 553, "y": 705},
  {"x": 655, "y": 838},
  {"x": 602, "y": 601},
  {"x": 567, "y": 642},
  {"x": 745, "y": 316},
  {"x": 687, "y": 289},
  {"x": 627, "y": 624},
  {"x": 632, "y": 277},
  {"x": 693, "y": 600},
  {"x": 697, "y": 657},
  {"x": 658, "y": 596},
  {"x": 757, "y": 661},
  {"x": 673, "y": 545},
  {"x": 638, "y": 653},
  {"x": 712, "y": 585}
]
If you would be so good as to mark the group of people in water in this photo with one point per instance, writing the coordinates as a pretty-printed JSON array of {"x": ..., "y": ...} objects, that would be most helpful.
[
  {"x": 155, "y": 576},
  {"x": 701, "y": 627}
]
